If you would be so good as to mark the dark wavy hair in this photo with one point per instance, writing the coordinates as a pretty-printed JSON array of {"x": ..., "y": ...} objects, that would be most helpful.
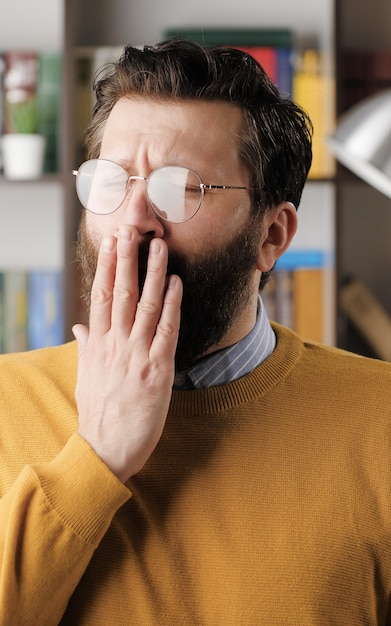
[{"x": 275, "y": 143}]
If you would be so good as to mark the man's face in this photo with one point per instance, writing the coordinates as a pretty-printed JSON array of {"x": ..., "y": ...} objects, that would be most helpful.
[{"x": 216, "y": 251}]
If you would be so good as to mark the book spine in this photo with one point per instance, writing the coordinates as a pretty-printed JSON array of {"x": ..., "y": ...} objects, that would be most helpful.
[
  {"x": 45, "y": 326},
  {"x": 308, "y": 289},
  {"x": 297, "y": 293},
  {"x": 235, "y": 37},
  {"x": 83, "y": 69},
  {"x": 285, "y": 70},
  {"x": 2, "y": 101},
  {"x": 48, "y": 94},
  {"x": 15, "y": 311},
  {"x": 266, "y": 56},
  {"x": 314, "y": 92},
  {"x": 284, "y": 297}
]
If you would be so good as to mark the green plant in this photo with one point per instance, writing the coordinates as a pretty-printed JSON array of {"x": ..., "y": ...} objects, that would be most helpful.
[{"x": 23, "y": 116}]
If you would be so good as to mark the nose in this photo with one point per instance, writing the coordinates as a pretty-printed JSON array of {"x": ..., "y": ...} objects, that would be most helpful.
[{"x": 136, "y": 210}]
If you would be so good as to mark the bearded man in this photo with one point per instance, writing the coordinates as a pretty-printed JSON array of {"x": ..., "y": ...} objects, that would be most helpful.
[{"x": 185, "y": 460}]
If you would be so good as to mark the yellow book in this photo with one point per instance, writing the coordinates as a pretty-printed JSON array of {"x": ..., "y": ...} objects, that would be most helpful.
[
  {"x": 308, "y": 289},
  {"x": 313, "y": 91}
]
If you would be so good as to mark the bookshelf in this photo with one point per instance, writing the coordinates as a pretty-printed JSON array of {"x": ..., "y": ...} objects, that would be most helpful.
[
  {"x": 37, "y": 230},
  {"x": 311, "y": 23},
  {"x": 339, "y": 213}
]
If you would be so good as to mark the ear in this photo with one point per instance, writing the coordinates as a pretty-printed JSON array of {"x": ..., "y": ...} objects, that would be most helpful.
[{"x": 280, "y": 225}]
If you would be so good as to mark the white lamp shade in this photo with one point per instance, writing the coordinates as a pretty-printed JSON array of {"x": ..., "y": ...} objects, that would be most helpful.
[{"x": 362, "y": 141}]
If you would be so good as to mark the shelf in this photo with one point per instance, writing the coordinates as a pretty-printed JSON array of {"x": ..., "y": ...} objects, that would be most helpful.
[{"x": 45, "y": 178}]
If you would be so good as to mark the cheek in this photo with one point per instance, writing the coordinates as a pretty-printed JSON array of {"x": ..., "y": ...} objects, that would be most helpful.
[
  {"x": 210, "y": 229},
  {"x": 99, "y": 226}
]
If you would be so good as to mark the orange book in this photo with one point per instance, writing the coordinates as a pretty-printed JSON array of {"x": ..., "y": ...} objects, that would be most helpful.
[{"x": 308, "y": 289}]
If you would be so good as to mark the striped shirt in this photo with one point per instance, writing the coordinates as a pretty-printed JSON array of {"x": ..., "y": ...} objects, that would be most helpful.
[{"x": 230, "y": 363}]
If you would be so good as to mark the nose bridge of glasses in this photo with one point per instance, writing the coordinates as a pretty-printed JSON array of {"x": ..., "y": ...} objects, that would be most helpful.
[
  {"x": 133, "y": 179},
  {"x": 130, "y": 184},
  {"x": 137, "y": 206}
]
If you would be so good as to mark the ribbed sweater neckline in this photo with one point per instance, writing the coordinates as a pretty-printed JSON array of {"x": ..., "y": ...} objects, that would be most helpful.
[{"x": 276, "y": 368}]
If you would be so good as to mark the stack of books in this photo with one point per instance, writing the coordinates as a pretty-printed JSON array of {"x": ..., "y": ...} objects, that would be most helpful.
[{"x": 31, "y": 309}]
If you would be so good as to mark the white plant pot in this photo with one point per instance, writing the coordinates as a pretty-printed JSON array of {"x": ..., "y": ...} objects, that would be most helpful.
[{"x": 23, "y": 155}]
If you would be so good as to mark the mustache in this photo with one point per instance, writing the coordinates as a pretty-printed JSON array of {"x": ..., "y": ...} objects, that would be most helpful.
[{"x": 176, "y": 262}]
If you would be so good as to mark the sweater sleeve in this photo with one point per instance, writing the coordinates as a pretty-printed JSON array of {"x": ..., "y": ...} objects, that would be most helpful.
[{"x": 51, "y": 521}]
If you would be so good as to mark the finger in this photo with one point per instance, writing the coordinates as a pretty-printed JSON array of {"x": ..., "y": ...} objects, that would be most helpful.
[
  {"x": 102, "y": 288},
  {"x": 151, "y": 302},
  {"x": 80, "y": 333},
  {"x": 126, "y": 290},
  {"x": 166, "y": 338}
]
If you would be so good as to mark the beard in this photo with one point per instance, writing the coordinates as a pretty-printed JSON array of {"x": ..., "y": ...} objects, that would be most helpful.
[{"x": 217, "y": 287}]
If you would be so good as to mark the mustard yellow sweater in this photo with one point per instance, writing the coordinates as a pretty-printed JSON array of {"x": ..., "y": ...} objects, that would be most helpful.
[{"x": 267, "y": 501}]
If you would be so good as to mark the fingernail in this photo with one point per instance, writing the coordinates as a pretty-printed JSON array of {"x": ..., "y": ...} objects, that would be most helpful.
[
  {"x": 172, "y": 281},
  {"x": 155, "y": 247},
  {"x": 125, "y": 234},
  {"x": 108, "y": 244}
]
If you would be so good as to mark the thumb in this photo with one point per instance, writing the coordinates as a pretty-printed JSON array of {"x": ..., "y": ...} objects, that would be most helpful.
[{"x": 81, "y": 333}]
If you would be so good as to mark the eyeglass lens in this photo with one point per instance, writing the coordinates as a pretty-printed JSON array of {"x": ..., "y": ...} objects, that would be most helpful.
[{"x": 174, "y": 192}]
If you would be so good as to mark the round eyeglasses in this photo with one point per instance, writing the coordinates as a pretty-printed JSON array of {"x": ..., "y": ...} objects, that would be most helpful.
[{"x": 175, "y": 193}]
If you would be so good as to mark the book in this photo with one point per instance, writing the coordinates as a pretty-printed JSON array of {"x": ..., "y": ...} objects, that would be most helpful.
[
  {"x": 270, "y": 37},
  {"x": 297, "y": 293},
  {"x": 83, "y": 64},
  {"x": 284, "y": 77},
  {"x": 49, "y": 101},
  {"x": 308, "y": 289},
  {"x": 45, "y": 307},
  {"x": 266, "y": 57},
  {"x": 277, "y": 63},
  {"x": 284, "y": 297},
  {"x": 271, "y": 47},
  {"x": 15, "y": 311},
  {"x": 88, "y": 63},
  {"x": 294, "y": 298},
  {"x": 314, "y": 92},
  {"x": 2, "y": 67}
]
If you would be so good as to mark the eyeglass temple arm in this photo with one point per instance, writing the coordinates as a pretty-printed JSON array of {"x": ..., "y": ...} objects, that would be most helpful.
[{"x": 223, "y": 187}]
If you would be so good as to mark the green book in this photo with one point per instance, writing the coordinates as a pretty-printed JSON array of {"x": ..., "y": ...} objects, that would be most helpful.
[
  {"x": 49, "y": 99},
  {"x": 274, "y": 37}
]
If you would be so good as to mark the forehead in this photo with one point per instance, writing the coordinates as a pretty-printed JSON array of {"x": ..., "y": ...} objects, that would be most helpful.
[{"x": 197, "y": 126}]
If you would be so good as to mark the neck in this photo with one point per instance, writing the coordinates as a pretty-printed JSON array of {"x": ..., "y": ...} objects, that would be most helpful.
[{"x": 241, "y": 327}]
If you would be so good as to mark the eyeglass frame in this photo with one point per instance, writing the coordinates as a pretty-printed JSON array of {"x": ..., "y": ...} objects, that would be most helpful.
[{"x": 203, "y": 188}]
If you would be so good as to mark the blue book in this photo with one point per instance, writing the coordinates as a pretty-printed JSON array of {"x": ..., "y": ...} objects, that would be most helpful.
[
  {"x": 45, "y": 309},
  {"x": 298, "y": 259},
  {"x": 285, "y": 70}
]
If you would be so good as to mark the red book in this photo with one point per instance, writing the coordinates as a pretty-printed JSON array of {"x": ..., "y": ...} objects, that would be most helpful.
[{"x": 266, "y": 56}]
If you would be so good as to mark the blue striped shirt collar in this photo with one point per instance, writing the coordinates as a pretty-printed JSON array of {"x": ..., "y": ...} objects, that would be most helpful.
[{"x": 233, "y": 362}]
